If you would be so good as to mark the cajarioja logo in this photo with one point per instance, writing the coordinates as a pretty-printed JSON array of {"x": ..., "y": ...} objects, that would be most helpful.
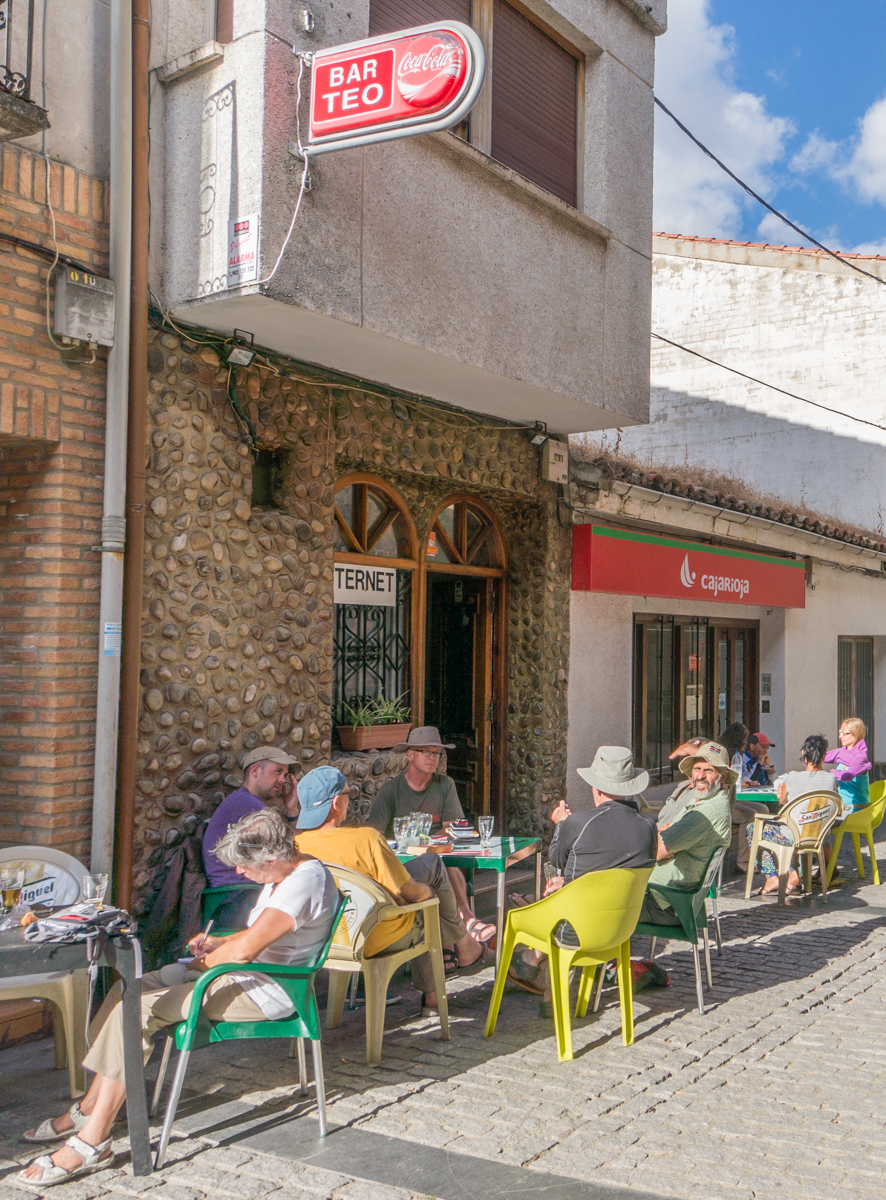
[{"x": 718, "y": 584}]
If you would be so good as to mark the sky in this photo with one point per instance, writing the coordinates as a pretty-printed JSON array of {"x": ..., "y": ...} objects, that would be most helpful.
[{"x": 792, "y": 97}]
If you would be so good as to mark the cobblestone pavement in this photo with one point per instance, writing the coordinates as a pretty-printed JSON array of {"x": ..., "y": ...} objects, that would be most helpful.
[{"x": 775, "y": 1090}]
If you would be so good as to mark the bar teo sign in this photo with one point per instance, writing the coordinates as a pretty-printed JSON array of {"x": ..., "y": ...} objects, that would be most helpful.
[
  {"x": 418, "y": 81},
  {"x": 637, "y": 564}
]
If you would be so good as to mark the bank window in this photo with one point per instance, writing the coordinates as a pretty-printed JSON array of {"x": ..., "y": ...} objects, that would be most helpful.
[
  {"x": 372, "y": 645},
  {"x": 855, "y": 682},
  {"x": 692, "y": 678}
]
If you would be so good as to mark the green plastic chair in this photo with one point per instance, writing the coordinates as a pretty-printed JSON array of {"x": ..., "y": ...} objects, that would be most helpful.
[
  {"x": 602, "y": 907},
  {"x": 865, "y": 821},
  {"x": 692, "y": 913},
  {"x": 212, "y": 898},
  {"x": 297, "y": 980}
]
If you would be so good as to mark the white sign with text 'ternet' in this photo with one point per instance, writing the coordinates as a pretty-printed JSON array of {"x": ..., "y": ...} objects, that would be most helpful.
[{"x": 365, "y": 585}]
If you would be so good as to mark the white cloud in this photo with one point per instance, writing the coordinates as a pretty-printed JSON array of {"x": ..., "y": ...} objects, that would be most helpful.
[
  {"x": 694, "y": 78},
  {"x": 858, "y": 162},
  {"x": 816, "y": 154},
  {"x": 878, "y": 248},
  {"x": 774, "y": 231}
]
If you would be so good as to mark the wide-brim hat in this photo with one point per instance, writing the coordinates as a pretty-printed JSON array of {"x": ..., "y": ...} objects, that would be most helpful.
[
  {"x": 614, "y": 773},
  {"x": 713, "y": 753},
  {"x": 424, "y": 738}
]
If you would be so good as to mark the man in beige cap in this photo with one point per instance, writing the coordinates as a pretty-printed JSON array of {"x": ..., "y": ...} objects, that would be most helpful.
[
  {"x": 266, "y": 777},
  {"x": 421, "y": 788},
  {"x": 700, "y": 828}
]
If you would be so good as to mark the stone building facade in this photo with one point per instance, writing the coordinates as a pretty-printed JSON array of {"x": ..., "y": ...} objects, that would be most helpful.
[{"x": 237, "y": 641}]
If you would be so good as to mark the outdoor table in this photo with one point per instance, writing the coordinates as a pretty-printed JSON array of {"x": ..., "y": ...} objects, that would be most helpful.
[
  {"x": 761, "y": 795},
  {"x": 502, "y": 852},
  {"x": 18, "y": 957}
]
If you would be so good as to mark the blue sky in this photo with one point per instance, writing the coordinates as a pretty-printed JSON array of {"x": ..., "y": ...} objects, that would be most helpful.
[{"x": 792, "y": 96}]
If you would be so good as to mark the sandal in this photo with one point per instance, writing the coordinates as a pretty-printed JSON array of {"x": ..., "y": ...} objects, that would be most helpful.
[
  {"x": 518, "y": 900},
  {"x": 525, "y": 977},
  {"x": 481, "y": 932},
  {"x": 450, "y": 961},
  {"x": 95, "y": 1158},
  {"x": 426, "y": 1010},
  {"x": 45, "y": 1132}
]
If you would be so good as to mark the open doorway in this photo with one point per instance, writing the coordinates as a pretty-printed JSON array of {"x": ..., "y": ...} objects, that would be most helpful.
[{"x": 464, "y": 667}]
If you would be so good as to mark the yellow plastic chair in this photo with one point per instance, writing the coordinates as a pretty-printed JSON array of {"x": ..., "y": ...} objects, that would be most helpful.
[
  {"x": 367, "y": 904},
  {"x": 809, "y": 818},
  {"x": 603, "y": 908},
  {"x": 865, "y": 821}
]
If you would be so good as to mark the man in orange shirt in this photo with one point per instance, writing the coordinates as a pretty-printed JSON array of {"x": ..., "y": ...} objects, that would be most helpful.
[{"x": 323, "y": 797}]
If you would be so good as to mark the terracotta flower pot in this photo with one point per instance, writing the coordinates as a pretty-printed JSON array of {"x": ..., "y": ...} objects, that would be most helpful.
[{"x": 372, "y": 737}]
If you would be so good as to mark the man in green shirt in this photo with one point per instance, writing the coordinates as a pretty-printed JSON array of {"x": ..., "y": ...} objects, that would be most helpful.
[
  {"x": 421, "y": 788},
  {"x": 700, "y": 828}
]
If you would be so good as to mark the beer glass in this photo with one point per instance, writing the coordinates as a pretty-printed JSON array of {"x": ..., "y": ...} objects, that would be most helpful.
[
  {"x": 12, "y": 880},
  {"x": 401, "y": 824},
  {"x": 94, "y": 888}
]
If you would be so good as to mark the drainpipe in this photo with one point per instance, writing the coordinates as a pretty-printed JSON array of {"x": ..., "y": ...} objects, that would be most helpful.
[
  {"x": 135, "y": 460},
  {"x": 113, "y": 503}
]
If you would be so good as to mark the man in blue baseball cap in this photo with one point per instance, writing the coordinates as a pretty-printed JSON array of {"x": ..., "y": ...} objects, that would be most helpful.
[{"x": 323, "y": 796}]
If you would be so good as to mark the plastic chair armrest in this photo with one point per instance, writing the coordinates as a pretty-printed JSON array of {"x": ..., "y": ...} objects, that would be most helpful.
[{"x": 397, "y": 910}]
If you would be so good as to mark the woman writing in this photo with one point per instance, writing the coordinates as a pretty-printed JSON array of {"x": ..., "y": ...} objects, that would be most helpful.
[{"x": 290, "y": 922}]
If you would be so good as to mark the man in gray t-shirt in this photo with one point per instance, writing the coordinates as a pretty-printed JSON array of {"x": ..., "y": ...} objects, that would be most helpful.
[{"x": 421, "y": 788}]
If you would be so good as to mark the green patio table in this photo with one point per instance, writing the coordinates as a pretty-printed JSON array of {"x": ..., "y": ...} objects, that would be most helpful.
[{"x": 502, "y": 852}]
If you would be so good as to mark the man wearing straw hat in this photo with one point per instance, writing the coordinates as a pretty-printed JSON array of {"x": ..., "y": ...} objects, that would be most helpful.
[{"x": 700, "y": 828}]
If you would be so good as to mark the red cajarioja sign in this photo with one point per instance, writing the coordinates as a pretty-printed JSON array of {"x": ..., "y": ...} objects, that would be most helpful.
[
  {"x": 416, "y": 81},
  {"x": 639, "y": 564}
]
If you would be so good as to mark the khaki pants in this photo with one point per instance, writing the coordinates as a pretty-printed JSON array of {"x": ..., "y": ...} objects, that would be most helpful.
[
  {"x": 161, "y": 1006},
  {"x": 422, "y": 975},
  {"x": 743, "y": 814},
  {"x": 429, "y": 869}
]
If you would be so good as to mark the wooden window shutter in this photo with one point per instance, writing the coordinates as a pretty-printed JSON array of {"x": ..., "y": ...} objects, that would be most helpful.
[
  {"x": 534, "y": 103},
  {"x": 387, "y": 16},
  {"x": 224, "y": 21}
]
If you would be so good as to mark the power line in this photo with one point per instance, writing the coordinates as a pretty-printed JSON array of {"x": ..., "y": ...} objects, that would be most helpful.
[
  {"x": 750, "y": 191},
  {"x": 771, "y": 386}
]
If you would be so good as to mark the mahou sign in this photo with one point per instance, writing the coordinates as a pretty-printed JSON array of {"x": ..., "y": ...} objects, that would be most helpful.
[
  {"x": 638, "y": 564},
  {"x": 417, "y": 81}
]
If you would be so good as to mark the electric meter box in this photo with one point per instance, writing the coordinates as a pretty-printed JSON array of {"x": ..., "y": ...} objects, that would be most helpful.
[
  {"x": 84, "y": 307},
  {"x": 555, "y": 461}
]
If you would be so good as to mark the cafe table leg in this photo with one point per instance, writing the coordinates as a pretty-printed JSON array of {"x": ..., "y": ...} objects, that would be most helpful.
[
  {"x": 538, "y": 873},
  {"x": 134, "y": 1068},
  {"x": 500, "y": 912}
]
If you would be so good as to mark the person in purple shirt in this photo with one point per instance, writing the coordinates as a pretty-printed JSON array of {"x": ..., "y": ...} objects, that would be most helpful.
[
  {"x": 266, "y": 778},
  {"x": 852, "y": 762}
]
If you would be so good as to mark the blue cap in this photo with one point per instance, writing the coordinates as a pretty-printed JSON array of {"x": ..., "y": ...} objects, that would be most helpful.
[{"x": 316, "y": 791}]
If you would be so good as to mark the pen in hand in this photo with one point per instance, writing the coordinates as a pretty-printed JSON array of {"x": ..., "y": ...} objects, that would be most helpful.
[{"x": 203, "y": 936}]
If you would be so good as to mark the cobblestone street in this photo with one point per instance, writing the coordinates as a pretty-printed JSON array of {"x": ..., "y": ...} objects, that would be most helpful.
[{"x": 775, "y": 1090}]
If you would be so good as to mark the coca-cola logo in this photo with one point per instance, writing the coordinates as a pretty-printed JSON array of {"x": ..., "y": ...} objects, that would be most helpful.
[{"x": 430, "y": 70}]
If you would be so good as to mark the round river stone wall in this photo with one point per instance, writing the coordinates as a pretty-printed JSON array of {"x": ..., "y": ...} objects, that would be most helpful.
[{"x": 237, "y": 634}]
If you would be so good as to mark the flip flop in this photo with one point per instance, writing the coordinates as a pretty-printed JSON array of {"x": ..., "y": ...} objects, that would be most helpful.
[
  {"x": 450, "y": 962},
  {"x": 519, "y": 901},
  {"x": 525, "y": 977}
]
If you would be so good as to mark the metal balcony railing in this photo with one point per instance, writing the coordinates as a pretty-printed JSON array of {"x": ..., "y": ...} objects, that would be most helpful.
[{"x": 16, "y": 46}]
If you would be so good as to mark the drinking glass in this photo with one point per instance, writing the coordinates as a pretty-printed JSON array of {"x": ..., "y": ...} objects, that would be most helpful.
[
  {"x": 12, "y": 881},
  {"x": 427, "y": 820},
  {"x": 94, "y": 888},
  {"x": 401, "y": 824},
  {"x": 550, "y": 871},
  {"x": 485, "y": 825}
]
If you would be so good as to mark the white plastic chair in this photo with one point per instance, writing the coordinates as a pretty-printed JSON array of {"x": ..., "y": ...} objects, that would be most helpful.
[
  {"x": 66, "y": 991},
  {"x": 809, "y": 818},
  {"x": 369, "y": 903}
]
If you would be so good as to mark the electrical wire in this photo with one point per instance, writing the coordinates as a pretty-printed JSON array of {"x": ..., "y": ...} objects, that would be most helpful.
[
  {"x": 841, "y": 258},
  {"x": 771, "y": 386},
  {"x": 49, "y": 273}
]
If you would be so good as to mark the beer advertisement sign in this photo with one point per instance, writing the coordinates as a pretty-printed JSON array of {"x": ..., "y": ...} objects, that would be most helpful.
[{"x": 417, "y": 81}]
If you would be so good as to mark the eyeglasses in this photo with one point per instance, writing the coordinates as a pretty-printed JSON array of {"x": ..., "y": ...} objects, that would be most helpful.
[{"x": 431, "y": 753}]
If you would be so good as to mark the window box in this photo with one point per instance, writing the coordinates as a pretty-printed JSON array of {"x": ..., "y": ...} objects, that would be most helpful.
[{"x": 372, "y": 737}]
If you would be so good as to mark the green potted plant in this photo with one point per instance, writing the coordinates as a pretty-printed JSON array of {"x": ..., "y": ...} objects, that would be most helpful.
[{"x": 374, "y": 724}]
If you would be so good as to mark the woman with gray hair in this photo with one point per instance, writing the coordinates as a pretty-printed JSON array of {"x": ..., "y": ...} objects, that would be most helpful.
[{"x": 290, "y": 922}]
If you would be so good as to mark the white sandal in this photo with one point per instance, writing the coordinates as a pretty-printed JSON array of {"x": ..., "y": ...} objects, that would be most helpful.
[
  {"x": 45, "y": 1132},
  {"x": 52, "y": 1174}
]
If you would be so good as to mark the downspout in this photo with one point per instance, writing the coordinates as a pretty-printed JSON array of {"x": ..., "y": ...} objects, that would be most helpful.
[
  {"x": 113, "y": 503},
  {"x": 135, "y": 459}
]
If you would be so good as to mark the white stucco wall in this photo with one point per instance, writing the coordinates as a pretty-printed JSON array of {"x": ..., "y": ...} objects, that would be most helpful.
[
  {"x": 804, "y": 323},
  {"x": 798, "y": 647}
]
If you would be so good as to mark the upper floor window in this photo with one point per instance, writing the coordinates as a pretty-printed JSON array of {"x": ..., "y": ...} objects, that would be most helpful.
[{"x": 389, "y": 16}]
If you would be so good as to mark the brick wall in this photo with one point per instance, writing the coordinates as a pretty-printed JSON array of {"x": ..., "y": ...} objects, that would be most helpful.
[{"x": 51, "y": 459}]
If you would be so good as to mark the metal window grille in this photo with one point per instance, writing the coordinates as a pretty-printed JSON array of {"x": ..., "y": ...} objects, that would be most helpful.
[
  {"x": 16, "y": 46},
  {"x": 372, "y": 649}
]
